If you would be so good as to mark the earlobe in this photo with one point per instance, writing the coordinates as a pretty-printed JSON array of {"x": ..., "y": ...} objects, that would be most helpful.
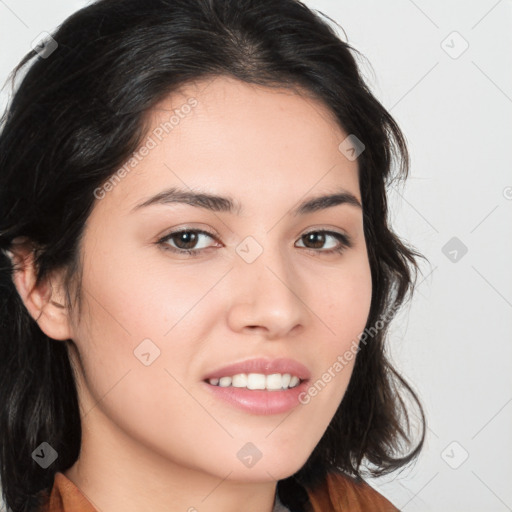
[{"x": 46, "y": 302}]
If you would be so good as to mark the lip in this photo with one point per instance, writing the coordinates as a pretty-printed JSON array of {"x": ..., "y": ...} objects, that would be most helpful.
[
  {"x": 265, "y": 366},
  {"x": 260, "y": 402}
]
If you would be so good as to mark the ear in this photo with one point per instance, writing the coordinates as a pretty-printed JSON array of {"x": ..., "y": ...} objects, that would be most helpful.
[{"x": 46, "y": 302}]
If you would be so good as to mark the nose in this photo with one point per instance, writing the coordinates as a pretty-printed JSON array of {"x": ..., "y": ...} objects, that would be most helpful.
[{"x": 267, "y": 297}]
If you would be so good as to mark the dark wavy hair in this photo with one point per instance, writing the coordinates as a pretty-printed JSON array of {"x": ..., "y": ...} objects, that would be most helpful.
[{"x": 78, "y": 114}]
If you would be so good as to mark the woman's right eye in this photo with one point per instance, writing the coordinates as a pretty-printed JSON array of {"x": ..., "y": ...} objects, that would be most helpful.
[{"x": 184, "y": 237}]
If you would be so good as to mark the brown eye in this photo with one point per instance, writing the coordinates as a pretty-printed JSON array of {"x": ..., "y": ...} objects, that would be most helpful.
[
  {"x": 185, "y": 241},
  {"x": 315, "y": 240}
]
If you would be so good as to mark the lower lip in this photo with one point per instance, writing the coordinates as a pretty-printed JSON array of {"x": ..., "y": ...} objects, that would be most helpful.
[{"x": 260, "y": 401}]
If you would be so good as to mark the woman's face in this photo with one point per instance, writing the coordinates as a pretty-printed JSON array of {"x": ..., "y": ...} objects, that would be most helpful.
[{"x": 156, "y": 322}]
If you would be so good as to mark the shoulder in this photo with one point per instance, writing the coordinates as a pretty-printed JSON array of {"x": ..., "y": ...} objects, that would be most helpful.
[{"x": 343, "y": 493}]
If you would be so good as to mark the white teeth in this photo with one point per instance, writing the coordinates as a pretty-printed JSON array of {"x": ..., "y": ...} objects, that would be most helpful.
[
  {"x": 276, "y": 381},
  {"x": 239, "y": 380},
  {"x": 273, "y": 382},
  {"x": 294, "y": 381},
  {"x": 256, "y": 381},
  {"x": 286, "y": 378},
  {"x": 224, "y": 382}
]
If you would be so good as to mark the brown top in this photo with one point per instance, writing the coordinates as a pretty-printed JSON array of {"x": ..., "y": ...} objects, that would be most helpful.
[
  {"x": 341, "y": 493},
  {"x": 338, "y": 494}
]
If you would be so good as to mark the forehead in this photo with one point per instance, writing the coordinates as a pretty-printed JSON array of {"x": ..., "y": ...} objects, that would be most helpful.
[
  {"x": 230, "y": 137},
  {"x": 230, "y": 104}
]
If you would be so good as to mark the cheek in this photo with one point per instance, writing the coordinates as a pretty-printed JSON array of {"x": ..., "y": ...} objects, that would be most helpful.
[
  {"x": 346, "y": 298},
  {"x": 345, "y": 301},
  {"x": 152, "y": 403},
  {"x": 136, "y": 312},
  {"x": 144, "y": 296},
  {"x": 342, "y": 300}
]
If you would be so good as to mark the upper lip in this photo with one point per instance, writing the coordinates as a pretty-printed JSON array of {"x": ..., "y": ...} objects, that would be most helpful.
[{"x": 265, "y": 366}]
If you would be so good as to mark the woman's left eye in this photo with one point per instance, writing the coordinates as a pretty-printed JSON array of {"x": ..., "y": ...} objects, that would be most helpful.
[
  {"x": 185, "y": 241},
  {"x": 319, "y": 237}
]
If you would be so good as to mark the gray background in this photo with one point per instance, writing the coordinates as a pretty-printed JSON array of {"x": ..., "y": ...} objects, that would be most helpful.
[{"x": 453, "y": 341}]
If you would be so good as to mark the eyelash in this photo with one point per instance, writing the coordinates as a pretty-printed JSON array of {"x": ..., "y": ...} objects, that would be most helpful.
[{"x": 344, "y": 240}]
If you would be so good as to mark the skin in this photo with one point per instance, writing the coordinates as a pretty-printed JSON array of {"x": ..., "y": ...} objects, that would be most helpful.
[{"x": 153, "y": 438}]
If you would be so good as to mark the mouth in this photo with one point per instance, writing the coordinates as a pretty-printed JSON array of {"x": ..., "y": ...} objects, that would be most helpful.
[{"x": 261, "y": 385}]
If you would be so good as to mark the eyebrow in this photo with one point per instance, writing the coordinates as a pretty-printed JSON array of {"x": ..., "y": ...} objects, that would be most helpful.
[{"x": 216, "y": 203}]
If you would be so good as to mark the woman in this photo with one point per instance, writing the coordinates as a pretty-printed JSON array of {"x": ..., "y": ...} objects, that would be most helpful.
[{"x": 197, "y": 269}]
